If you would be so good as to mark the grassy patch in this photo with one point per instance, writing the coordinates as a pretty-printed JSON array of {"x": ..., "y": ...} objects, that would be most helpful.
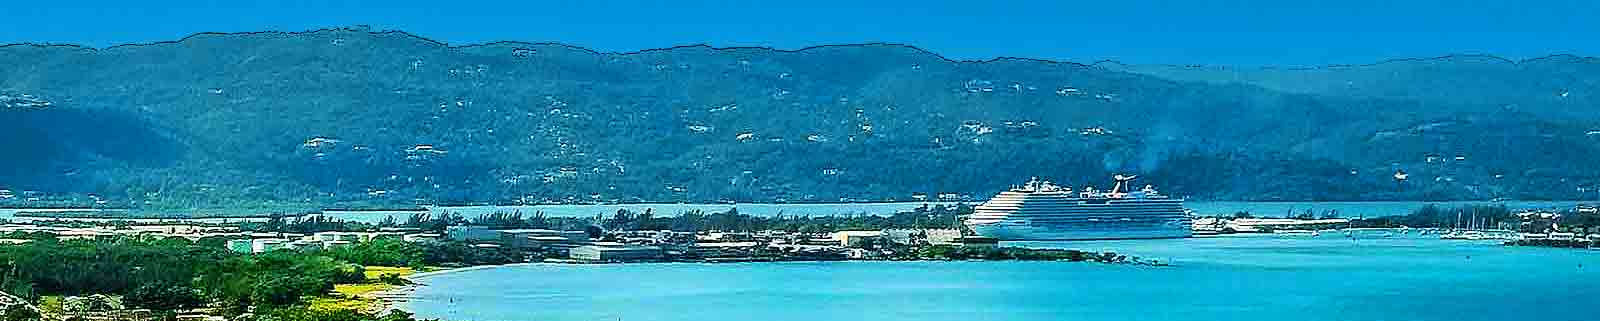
[
  {"x": 359, "y": 297},
  {"x": 355, "y": 290},
  {"x": 51, "y": 304},
  {"x": 356, "y": 297},
  {"x": 337, "y": 304},
  {"x": 373, "y": 272}
]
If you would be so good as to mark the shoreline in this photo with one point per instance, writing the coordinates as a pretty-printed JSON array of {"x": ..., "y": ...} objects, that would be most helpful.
[
  {"x": 419, "y": 276},
  {"x": 397, "y": 298}
]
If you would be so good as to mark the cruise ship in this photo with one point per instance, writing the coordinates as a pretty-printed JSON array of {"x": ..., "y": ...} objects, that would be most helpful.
[{"x": 1040, "y": 210}]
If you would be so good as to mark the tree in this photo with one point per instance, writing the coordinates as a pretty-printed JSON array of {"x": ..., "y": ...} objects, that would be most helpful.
[
  {"x": 163, "y": 297},
  {"x": 393, "y": 279},
  {"x": 17, "y": 312},
  {"x": 92, "y": 303},
  {"x": 382, "y": 251},
  {"x": 286, "y": 290}
]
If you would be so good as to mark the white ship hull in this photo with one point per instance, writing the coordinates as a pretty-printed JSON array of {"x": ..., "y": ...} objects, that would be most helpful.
[
  {"x": 1019, "y": 232},
  {"x": 1040, "y": 211}
]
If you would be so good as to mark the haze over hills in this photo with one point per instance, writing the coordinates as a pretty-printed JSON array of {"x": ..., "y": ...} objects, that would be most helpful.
[
  {"x": 348, "y": 117},
  {"x": 1557, "y": 85}
]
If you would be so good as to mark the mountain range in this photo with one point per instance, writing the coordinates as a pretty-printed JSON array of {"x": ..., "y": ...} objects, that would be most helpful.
[{"x": 354, "y": 117}]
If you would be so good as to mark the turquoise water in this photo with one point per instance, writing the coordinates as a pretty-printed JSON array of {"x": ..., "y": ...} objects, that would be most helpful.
[
  {"x": 1225, "y": 278},
  {"x": 1347, "y": 209}
]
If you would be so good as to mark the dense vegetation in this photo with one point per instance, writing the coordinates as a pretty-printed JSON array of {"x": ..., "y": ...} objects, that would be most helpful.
[
  {"x": 173, "y": 274},
  {"x": 927, "y": 216},
  {"x": 732, "y": 220},
  {"x": 1488, "y": 217},
  {"x": 1433, "y": 216},
  {"x": 351, "y": 118}
]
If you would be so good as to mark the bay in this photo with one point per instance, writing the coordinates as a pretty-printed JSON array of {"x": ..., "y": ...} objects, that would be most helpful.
[{"x": 1255, "y": 277}]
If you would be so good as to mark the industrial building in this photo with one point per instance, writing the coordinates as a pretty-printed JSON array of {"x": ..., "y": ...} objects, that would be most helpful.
[
  {"x": 857, "y": 238},
  {"x": 616, "y": 253}
]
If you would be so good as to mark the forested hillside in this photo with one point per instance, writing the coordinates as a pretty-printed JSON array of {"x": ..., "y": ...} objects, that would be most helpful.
[{"x": 351, "y": 117}]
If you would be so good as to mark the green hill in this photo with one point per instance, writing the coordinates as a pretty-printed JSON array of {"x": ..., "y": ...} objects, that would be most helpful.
[{"x": 350, "y": 117}]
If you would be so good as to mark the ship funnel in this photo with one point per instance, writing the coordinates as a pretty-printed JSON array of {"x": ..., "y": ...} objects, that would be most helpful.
[{"x": 1122, "y": 183}]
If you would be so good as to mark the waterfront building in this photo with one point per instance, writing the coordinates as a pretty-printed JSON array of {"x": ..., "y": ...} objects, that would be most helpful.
[
  {"x": 525, "y": 238},
  {"x": 471, "y": 233},
  {"x": 856, "y": 238},
  {"x": 724, "y": 237},
  {"x": 922, "y": 236},
  {"x": 615, "y": 253},
  {"x": 554, "y": 243},
  {"x": 863, "y": 254},
  {"x": 337, "y": 236},
  {"x": 727, "y": 245},
  {"x": 905, "y": 236},
  {"x": 306, "y": 244},
  {"x": 725, "y": 249},
  {"x": 336, "y": 244},
  {"x": 240, "y": 246},
  {"x": 268, "y": 245},
  {"x": 943, "y": 236},
  {"x": 272, "y": 235},
  {"x": 978, "y": 241},
  {"x": 524, "y": 233},
  {"x": 426, "y": 237}
]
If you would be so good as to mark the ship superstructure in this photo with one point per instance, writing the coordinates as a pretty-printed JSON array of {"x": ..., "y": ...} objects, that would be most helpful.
[{"x": 1040, "y": 210}]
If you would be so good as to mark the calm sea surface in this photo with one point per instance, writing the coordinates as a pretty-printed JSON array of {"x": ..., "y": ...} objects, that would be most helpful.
[{"x": 1260, "y": 277}]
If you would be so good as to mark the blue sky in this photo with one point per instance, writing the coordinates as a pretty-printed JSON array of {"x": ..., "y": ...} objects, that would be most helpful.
[{"x": 1240, "y": 33}]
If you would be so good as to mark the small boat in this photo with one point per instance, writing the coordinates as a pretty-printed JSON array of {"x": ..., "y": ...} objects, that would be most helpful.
[{"x": 1316, "y": 233}]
